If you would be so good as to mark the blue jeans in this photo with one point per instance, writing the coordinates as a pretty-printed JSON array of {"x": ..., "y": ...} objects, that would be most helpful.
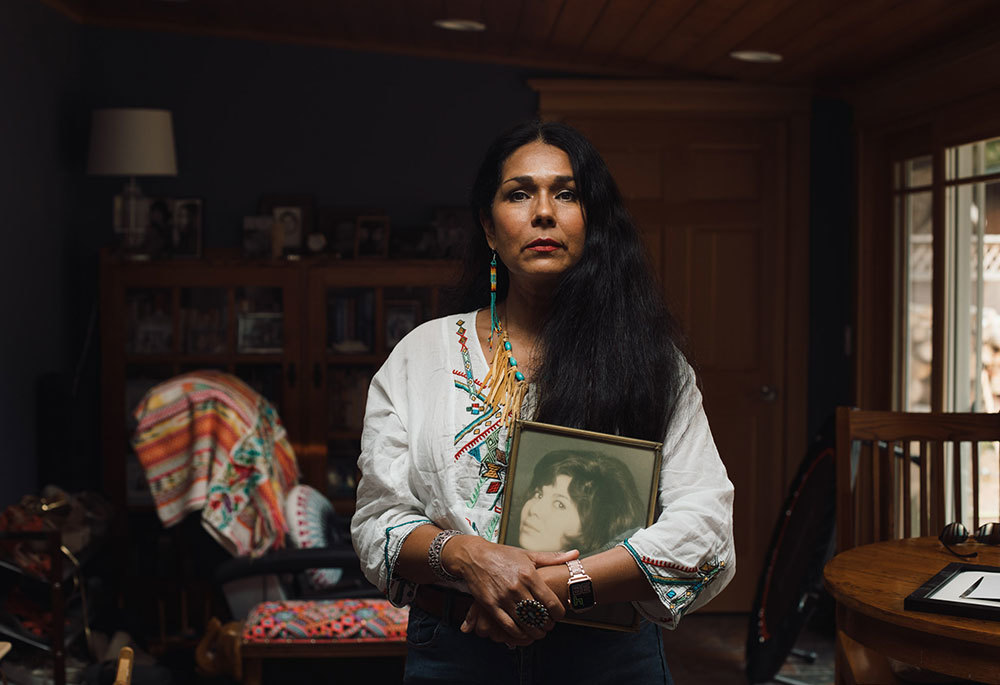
[{"x": 438, "y": 652}]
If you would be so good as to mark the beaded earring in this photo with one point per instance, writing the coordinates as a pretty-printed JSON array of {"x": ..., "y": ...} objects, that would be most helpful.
[
  {"x": 494, "y": 319},
  {"x": 505, "y": 382}
]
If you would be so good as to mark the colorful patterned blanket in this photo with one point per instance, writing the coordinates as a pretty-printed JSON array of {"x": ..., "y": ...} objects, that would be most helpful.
[
  {"x": 209, "y": 442},
  {"x": 348, "y": 620}
]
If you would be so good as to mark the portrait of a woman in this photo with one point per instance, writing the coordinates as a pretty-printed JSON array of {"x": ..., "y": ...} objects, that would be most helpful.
[{"x": 579, "y": 500}]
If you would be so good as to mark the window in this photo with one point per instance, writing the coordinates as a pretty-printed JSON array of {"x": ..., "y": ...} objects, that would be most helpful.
[
  {"x": 966, "y": 310},
  {"x": 970, "y": 316}
]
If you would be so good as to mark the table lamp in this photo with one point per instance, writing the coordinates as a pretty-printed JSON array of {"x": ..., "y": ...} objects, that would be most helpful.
[{"x": 131, "y": 142}]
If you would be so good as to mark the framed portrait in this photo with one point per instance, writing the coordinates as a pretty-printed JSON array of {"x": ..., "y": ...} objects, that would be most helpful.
[
  {"x": 548, "y": 467},
  {"x": 260, "y": 332},
  {"x": 288, "y": 222},
  {"x": 257, "y": 232},
  {"x": 339, "y": 224},
  {"x": 401, "y": 317},
  {"x": 371, "y": 236},
  {"x": 187, "y": 227},
  {"x": 294, "y": 219}
]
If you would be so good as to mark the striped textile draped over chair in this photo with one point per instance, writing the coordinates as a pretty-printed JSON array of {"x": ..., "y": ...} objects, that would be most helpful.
[{"x": 209, "y": 442}]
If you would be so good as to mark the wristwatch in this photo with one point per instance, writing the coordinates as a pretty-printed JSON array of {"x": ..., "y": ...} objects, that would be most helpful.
[{"x": 581, "y": 587}]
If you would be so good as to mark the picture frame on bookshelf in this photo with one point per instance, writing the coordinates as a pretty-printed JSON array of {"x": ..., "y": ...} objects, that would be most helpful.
[
  {"x": 339, "y": 225},
  {"x": 401, "y": 317},
  {"x": 186, "y": 234},
  {"x": 295, "y": 217},
  {"x": 288, "y": 221},
  {"x": 260, "y": 332},
  {"x": 258, "y": 236},
  {"x": 371, "y": 236}
]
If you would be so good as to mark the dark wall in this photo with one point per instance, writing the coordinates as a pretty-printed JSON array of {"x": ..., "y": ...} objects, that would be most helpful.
[
  {"x": 399, "y": 133},
  {"x": 831, "y": 210},
  {"x": 39, "y": 85}
]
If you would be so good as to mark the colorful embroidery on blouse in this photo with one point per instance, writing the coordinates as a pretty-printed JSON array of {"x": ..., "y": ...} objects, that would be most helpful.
[
  {"x": 480, "y": 439},
  {"x": 677, "y": 592},
  {"x": 483, "y": 415},
  {"x": 466, "y": 358}
]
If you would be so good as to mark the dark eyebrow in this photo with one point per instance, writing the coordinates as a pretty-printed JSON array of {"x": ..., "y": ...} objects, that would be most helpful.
[{"x": 531, "y": 179}]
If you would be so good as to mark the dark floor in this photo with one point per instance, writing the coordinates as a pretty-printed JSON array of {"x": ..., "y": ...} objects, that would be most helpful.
[{"x": 708, "y": 649}]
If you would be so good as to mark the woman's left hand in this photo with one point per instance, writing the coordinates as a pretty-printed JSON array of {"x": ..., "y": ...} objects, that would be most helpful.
[{"x": 499, "y": 577}]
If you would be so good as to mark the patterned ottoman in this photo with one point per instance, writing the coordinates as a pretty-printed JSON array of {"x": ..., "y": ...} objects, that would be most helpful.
[{"x": 321, "y": 629}]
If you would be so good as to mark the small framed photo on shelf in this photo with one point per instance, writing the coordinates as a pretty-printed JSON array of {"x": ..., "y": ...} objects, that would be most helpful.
[
  {"x": 548, "y": 466},
  {"x": 294, "y": 219},
  {"x": 289, "y": 223},
  {"x": 257, "y": 236},
  {"x": 260, "y": 332},
  {"x": 159, "y": 223},
  {"x": 401, "y": 317},
  {"x": 371, "y": 236},
  {"x": 187, "y": 227}
]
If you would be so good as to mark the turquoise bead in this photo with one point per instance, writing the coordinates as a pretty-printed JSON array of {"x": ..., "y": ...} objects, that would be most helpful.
[
  {"x": 507, "y": 346},
  {"x": 519, "y": 376},
  {"x": 513, "y": 362}
]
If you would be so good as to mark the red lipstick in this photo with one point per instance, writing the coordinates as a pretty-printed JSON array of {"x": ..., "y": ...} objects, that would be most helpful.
[{"x": 544, "y": 245}]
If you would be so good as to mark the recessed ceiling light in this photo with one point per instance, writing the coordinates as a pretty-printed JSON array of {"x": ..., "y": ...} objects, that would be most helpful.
[
  {"x": 758, "y": 56},
  {"x": 460, "y": 24}
]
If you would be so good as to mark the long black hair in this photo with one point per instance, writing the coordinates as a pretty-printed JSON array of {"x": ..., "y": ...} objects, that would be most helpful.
[{"x": 611, "y": 350}]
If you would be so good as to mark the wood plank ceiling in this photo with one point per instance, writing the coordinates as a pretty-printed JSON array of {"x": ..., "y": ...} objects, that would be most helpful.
[{"x": 823, "y": 42}]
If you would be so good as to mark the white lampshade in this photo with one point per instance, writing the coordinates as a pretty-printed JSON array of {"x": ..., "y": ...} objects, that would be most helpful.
[{"x": 132, "y": 142}]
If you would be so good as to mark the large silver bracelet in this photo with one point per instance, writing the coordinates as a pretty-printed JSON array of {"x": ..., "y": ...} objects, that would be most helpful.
[{"x": 434, "y": 554}]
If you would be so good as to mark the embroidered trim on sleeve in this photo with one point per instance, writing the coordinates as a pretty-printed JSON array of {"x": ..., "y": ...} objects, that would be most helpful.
[
  {"x": 390, "y": 563},
  {"x": 677, "y": 593}
]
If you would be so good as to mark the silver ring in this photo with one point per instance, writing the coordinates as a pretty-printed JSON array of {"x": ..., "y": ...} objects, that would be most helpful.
[{"x": 531, "y": 613}]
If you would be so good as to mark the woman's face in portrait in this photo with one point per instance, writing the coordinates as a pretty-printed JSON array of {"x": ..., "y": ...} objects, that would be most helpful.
[
  {"x": 549, "y": 518},
  {"x": 537, "y": 225}
]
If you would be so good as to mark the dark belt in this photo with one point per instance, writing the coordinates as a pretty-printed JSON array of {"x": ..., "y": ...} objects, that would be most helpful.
[{"x": 450, "y": 606}]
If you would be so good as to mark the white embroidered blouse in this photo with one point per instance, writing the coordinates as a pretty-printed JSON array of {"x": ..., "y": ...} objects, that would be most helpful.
[{"x": 428, "y": 455}]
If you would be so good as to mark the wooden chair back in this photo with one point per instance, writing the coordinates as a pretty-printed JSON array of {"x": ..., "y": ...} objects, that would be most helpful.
[{"x": 905, "y": 474}]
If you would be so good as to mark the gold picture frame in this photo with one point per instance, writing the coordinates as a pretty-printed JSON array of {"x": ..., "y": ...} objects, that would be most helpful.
[{"x": 543, "y": 464}]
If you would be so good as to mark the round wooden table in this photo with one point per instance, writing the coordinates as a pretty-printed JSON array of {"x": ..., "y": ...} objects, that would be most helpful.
[{"x": 870, "y": 583}]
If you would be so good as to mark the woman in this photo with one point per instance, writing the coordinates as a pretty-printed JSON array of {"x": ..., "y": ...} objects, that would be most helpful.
[
  {"x": 579, "y": 500},
  {"x": 563, "y": 302}
]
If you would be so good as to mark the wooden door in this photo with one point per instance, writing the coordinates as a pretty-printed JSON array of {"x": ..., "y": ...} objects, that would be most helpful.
[{"x": 709, "y": 196}]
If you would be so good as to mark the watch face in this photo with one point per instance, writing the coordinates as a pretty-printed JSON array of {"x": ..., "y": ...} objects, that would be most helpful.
[{"x": 581, "y": 595}]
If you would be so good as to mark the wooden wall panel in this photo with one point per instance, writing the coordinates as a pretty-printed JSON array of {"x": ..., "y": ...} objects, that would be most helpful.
[{"x": 729, "y": 160}]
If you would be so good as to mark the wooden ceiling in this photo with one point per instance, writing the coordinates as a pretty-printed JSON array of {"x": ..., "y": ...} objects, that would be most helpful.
[{"x": 823, "y": 42}]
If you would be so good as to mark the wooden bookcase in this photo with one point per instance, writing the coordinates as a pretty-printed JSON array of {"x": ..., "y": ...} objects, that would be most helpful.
[{"x": 307, "y": 334}]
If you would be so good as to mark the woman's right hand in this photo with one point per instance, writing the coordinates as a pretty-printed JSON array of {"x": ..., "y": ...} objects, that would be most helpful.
[{"x": 498, "y": 577}]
